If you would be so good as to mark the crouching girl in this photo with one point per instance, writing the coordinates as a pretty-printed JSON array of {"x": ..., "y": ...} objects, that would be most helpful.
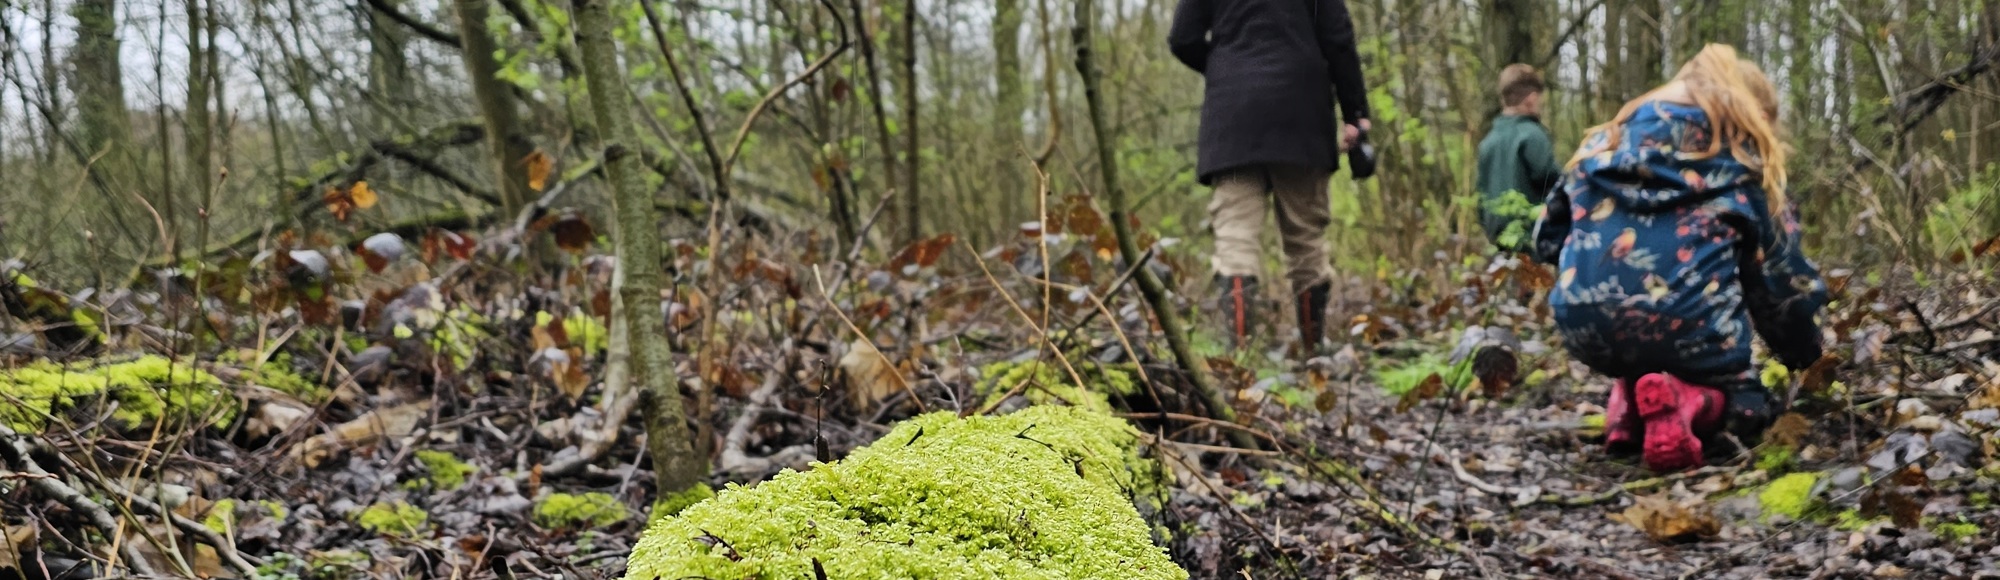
[{"x": 1672, "y": 240}]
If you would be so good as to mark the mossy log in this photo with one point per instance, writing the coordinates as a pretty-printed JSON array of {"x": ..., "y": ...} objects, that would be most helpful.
[{"x": 1042, "y": 493}]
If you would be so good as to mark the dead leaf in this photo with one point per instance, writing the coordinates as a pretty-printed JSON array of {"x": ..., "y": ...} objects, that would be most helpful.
[
  {"x": 274, "y": 417},
  {"x": 17, "y": 543},
  {"x": 539, "y": 165},
  {"x": 1668, "y": 521},
  {"x": 1790, "y": 429},
  {"x": 870, "y": 377},
  {"x": 363, "y": 196},
  {"x": 1495, "y": 367},
  {"x": 368, "y": 429},
  {"x": 1429, "y": 389},
  {"x": 569, "y": 376},
  {"x": 573, "y": 233},
  {"x": 922, "y": 254},
  {"x": 1819, "y": 376}
]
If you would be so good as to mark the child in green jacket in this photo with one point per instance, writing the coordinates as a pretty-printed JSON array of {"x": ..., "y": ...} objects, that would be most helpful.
[{"x": 1517, "y": 162}]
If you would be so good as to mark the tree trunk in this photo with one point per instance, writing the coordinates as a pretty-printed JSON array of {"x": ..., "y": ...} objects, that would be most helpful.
[
  {"x": 388, "y": 69},
  {"x": 1010, "y": 101},
  {"x": 199, "y": 130},
  {"x": 510, "y": 145},
  {"x": 99, "y": 86},
  {"x": 913, "y": 227},
  {"x": 1644, "y": 48},
  {"x": 1155, "y": 292},
  {"x": 676, "y": 466}
]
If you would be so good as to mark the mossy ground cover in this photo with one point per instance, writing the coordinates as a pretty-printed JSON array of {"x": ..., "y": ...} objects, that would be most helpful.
[
  {"x": 1048, "y": 383},
  {"x": 1042, "y": 493},
  {"x": 145, "y": 389}
]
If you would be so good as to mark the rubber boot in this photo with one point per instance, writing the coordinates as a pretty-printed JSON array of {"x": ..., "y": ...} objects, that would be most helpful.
[
  {"x": 1239, "y": 295},
  {"x": 1623, "y": 431},
  {"x": 1675, "y": 414},
  {"x": 1311, "y": 305}
]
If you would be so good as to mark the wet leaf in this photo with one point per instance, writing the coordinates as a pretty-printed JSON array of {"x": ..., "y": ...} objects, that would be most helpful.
[
  {"x": 922, "y": 254},
  {"x": 572, "y": 233},
  {"x": 1820, "y": 375},
  {"x": 1495, "y": 367},
  {"x": 1790, "y": 429},
  {"x": 869, "y": 376},
  {"x": 1430, "y": 388},
  {"x": 1668, "y": 521},
  {"x": 539, "y": 166}
]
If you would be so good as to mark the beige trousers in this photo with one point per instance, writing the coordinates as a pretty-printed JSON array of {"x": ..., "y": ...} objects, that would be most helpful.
[{"x": 1243, "y": 196}]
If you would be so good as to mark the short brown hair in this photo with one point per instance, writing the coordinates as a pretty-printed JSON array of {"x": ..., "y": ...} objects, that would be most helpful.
[{"x": 1517, "y": 81}]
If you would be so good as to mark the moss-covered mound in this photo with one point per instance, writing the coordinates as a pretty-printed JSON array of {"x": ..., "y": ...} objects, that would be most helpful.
[
  {"x": 145, "y": 389},
  {"x": 1037, "y": 494},
  {"x": 1048, "y": 383}
]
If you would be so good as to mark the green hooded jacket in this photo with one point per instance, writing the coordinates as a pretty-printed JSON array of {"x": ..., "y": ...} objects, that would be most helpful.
[{"x": 1516, "y": 156}]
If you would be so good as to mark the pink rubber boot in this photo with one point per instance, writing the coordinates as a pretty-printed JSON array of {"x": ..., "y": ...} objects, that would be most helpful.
[
  {"x": 1674, "y": 413},
  {"x": 1622, "y": 428}
]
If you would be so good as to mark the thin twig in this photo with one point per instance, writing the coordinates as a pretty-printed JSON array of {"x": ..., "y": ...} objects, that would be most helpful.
[{"x": 863, "y": 336}]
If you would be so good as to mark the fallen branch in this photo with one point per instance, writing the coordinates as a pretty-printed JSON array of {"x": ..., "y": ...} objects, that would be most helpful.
[
  {"x": 1526, "y": 496},
  {"x": 15, "y": 451},
  {"x": 733, "y": 459},
  {"x": 223, "y": 547}
]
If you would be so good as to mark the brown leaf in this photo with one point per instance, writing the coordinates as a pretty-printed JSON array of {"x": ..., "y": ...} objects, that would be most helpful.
[
  {"x": 1668, "y": 521},
  {"x": 1790, "y": 430},
  {"x": 1820, "y": 375},
  {"x": 573, "y": 234},
  {"x": 1326, "y": 401},
  {"x": 568, "y": 375},
  {"x": 841, "y": 89},
  {"x": 391, "y": 422},
  {"x": 338, "y": 202},
  {"x": 1429, "y": 389},
  {"x": 921, "y": 254},
  {"x": 1495, "y": 367},
  {"x": 870, "y": 377},
  {"x": 539, "y": 165},
  {"x": 1904, "y": 511},
  {"x": 14, "y": 541}
]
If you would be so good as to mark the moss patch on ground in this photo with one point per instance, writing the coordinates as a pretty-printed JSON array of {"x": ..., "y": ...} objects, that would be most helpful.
[
  {"x": 146, "y": 389},
  {"x": 1956, "y": 531},
  {"x": 1042, "y": 493},
  {"x": 1049, "y": 383},
  {"x": 574, "y": 511},
  {"x": 396, "y": 518},
  {"x": 673, "y": 504},
  {"x": 1789, "y": 496},
  {"x": 442, "y": 470}
]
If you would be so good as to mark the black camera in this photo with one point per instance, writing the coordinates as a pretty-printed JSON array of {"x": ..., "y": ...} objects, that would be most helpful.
[{"x": 1361, "y": 157}]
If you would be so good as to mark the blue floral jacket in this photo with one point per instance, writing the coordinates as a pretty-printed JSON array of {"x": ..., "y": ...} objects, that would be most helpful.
[{"x": 1666, "y": 260}]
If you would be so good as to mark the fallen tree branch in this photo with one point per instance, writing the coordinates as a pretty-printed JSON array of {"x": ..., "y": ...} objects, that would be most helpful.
[
  {"x": 223, "y": 547},
  {"x": 733, "y": 459},
  {"x": 15, "y": 451},
  {"x": 1526, "y": 496}
]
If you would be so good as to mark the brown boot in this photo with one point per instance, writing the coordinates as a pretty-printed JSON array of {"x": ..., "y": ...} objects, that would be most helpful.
[
  {"x": 1311, "y": 304},
  {"x": 1239, "y": 296}
]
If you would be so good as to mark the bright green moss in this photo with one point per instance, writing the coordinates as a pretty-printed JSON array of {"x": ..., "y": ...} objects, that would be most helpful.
[
  {"x": 1957, "y": 531},
  {"x": 572, "y": 511},
  {"x": 443, "y": 471},
  {"x": 1052, "y": 385},
  {"x": 145, "y": 389},
  {"x": 221, "y": 516},
  {"x": 1776, "y": 458},
  {"x": 1398, "y": 379},
  {"x": 1851, "y": 521},
  {"x": 587, "y": 333},
  {"x": 275, "y": 509},
  {"x": 397, "y": 518},
  {"x": 1790, "y": 495},
  {"x": 1979, "y": 500},
  {"x": 673, "y": 504},
  {"x": 1042, "y": 493},
  {"x": 275, "y": 375}
]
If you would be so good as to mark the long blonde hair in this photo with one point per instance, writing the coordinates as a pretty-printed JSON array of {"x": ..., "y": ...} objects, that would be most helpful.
[{"x": 1741, "y": 105}]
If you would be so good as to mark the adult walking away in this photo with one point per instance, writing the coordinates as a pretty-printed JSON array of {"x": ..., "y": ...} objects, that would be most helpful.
[{"x": 1273, "y": 69}]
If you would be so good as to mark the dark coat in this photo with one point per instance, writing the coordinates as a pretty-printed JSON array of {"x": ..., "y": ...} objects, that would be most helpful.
[{"x": 1273, "y": 68}]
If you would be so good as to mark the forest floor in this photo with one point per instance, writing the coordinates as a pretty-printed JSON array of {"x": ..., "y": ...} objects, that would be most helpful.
[{"x": 427, "y": 426}]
